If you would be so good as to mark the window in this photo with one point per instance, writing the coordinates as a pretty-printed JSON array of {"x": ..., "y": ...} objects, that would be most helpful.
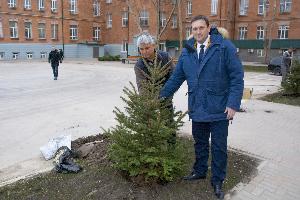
[
  {"x": 96, "y": 8},
  {"x": 96, "y": 33},
  {"x": 73, "y": 32},
  {"x": 242, "y": 33},
  {"x": 262, "y": 6},
  {"x": 174, "y": 21},
  {"x": 260, "y": 52},
  {"x": 260, "y": 33},
  {"x": 109, "y": 20},
  {"x": 12, "y": 3},
  {"x": 162, "y": 46},
  {"x": 144, "y": 18},
  {"x": 73, "y": 6},
  {"x": 285, "y": 6},
  {"x": 108, "y": 1},
  {"x": 43, "y": 54},
  {"x": 214, "y": 7},
  {"x": 163, "y": 19},
  {"x": 13, "y": 28},
  {"x": 27, "y": 4},
  {"x": 41, "y": 30},
  {"x": 283, "y": 32},
  {"x": 1, "y": 30},
  {"x": 53, "y": 5},
  {"x": 125, "y": 46},
  {"x": 54, "y": 31},
  {"x": 15, "y": 55},
  {"x": 28, "y": 30},
  {"x": 188, "y": 32},
  {"x": 189, "y": 8},
  {"x": 125, "y": 19},
  {"x": 41, "y": 5},
  {"x": 2, "y": 54},
  {"x": 174, "y": 2},
  {"x": 29, "y": 55},
  {"x": 244, "y": 5}
]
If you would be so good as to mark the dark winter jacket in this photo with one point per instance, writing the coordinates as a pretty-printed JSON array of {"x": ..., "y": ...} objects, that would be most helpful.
[
  {"x": 140, "y": 68},
  {"x": 54, "y": 58},
  {"x": 214, "y": 84}
]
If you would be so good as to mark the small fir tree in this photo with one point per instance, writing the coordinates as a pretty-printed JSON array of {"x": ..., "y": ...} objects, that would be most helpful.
[
  {"x": 141, "y": 141},
  {"x": 292, "y": 84}
]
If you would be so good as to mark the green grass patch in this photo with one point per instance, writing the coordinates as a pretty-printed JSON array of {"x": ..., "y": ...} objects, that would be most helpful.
[
  {"x": 101, "y": 181},
  {"x": 279, "y": 97},
  {"x": 259, "y": 69}
]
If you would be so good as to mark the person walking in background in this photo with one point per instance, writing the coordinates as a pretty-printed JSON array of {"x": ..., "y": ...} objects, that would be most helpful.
[
  {"x": 214, "y": 74},
  {"x": 61, "y": 53},
  {"x": 54, "y": 58},
  {"x": 286, "y": 64}
]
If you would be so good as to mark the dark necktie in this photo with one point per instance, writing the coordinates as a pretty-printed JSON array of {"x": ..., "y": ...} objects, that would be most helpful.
[{"x": 201, "y": 53}]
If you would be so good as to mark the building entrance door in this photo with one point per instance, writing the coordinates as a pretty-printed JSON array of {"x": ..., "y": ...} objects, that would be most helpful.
[{"x": 95, "y": 52}]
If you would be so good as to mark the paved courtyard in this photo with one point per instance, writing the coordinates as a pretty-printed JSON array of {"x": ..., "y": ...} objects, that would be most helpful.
[{"x": 35, "y": 108}]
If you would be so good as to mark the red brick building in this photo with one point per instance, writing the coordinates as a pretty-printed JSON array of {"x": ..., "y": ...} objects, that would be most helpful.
[{"x": 92, "y": 28}]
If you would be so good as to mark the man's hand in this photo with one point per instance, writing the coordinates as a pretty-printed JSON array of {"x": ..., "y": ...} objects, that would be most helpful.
[{"x": 230, "y": 113}]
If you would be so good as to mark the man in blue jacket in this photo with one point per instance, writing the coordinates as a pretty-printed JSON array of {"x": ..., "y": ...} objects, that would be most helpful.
[{"x": 214, "y": 74}]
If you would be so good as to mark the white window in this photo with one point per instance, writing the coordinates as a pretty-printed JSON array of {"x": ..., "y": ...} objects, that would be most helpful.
[
  {"x": 189, "y": 8},
  {"x": 285, "y": 6},
  {"x": 214, "y": 7},
  {"x": 15, "y": 55},
  {"x": 73, "y": 6},
  {"x": 262, "y": 6},
  {"x": 54, "y": 31},
  {"x": 2, "y": 54},
  {"x": 244, "y": 5},
  {"x": 162, "y": 46},
  {"x": 174, "y": 21},
  {"x": 188, "y": 32},
  {"x": 1, "y": 30},
  {"x": 28, "y": 30},
  {"x": 124, "y": 46},
  {"x": 54, "y": 5},
  {"x": 260, "y": 33},
  {"x": 125, "y": 19},
  {"x": 243, "y": 33},
  {"x": 43, "y": 54},
  {"x": 13, "y": 28},
  {"x": 12, "y": 3},
  {"x": 96, "y": 8},
  {"x": 41, "y": 5},
  {"x": 27, "y": 4},
  {"x": 41, "y": 30},
  {"x": 96, "y": 33},
  {"x": 260, "y": 52},
  {"x": 174, "y": 2},
  {"x": 73, "y": 32},
  {"x": 109, "y": 20},
  {"x": 29, "y": 55},
  {"x": 283, "y": 32},
  {"x": 163, "y": 19},
  {"x": 108, "y": 1},
  {"x": 144, "y": 18}
]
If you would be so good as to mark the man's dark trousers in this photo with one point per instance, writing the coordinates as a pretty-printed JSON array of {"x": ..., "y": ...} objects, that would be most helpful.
[
  {"x": 55, "y": 70},
  {"x": 201, "y": 132}
]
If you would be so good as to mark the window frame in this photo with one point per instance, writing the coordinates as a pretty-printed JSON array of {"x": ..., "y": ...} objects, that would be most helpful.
[
  {"x": 124, "y": 18},
  {"x": 13, "y": 31},
  {"x": 214, "y": 7},
  {"x": 174, "y": 22},
  {"x": 96, "y": 8},
  {"x": 283, "y": 32},
  {"x": 283, "y": 5},
  {"x": 42, "y": 30},
  {"x": 41, "y": 5},
  {"x": 144, "y": 18},
  {"x": 243, "y": 32},
  {"x": 260, "y": 33},
  {"x": 189, "y": 8},
  {"x": 96, "y": 33},
  {"x": 163, "y": 19},
  {"x": 1, "y": 29},
  {"x": 28, "y": 30},
  {"x": 12, "y": 3},
  {"x": 73, "y": 7},
  {"x": 109, "y": 20},
  {"x": 244, "y": 6},
  {"x": 27, "y": 4},
  {"x": 73, "y": 32},
  {"x": 53, "y": 6},
  {"x": 54, "y": 31}
]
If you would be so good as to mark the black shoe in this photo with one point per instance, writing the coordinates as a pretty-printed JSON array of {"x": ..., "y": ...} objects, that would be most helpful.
[
  {"x": 194, "y": 176},
  {"x": 218, "y": 191},
  {"x": 55, "y": 78}
]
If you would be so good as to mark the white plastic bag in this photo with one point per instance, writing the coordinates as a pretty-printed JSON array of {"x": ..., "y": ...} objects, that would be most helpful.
[{"x": 54, "y": 144}]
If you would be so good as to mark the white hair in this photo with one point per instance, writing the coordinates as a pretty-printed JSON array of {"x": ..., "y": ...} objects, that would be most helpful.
[{"x": 145, "y": 39}]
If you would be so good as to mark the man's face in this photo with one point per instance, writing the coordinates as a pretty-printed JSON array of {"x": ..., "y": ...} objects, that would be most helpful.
[
  {"x": 200, "y": 30},
  {"x": 147, "y": 50}
]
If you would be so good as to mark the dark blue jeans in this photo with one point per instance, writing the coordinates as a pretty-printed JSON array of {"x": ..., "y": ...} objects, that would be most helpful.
[
  {"x": 55, "y": 70},
  {"x": 201, "y": 132}
]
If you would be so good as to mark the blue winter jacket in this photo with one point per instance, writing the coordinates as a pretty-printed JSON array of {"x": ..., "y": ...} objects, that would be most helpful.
[{"x": 214, "y": 84}]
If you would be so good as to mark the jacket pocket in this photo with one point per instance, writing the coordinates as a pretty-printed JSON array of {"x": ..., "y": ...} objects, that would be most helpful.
[
  {"x": 191, "y": 101},
  {"x": 216, "y": 101}
]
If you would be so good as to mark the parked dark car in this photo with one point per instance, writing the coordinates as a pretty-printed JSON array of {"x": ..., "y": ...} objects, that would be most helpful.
[{"x": 275, "y": 65}]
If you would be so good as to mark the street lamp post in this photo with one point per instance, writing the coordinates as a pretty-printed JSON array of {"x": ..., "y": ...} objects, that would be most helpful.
[{"x": 62, "y": 25}]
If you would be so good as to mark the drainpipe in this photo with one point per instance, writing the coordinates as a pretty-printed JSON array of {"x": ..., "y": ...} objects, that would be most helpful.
[{"x": 62, "y": 25}]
